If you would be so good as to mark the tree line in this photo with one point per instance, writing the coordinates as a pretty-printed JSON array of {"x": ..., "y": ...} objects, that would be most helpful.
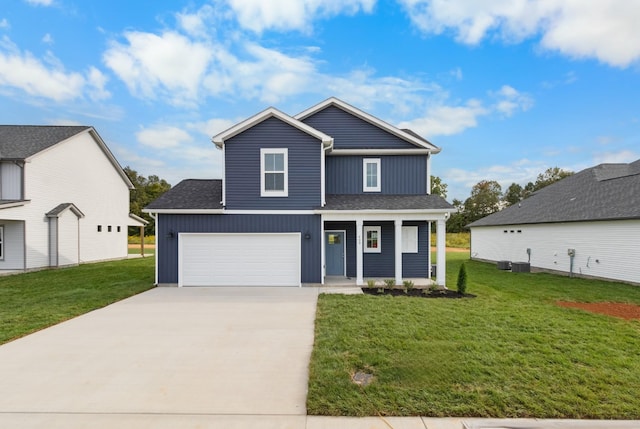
[
  {"x": 487, "y": 197},
  {"x": 146, "y": 190}
]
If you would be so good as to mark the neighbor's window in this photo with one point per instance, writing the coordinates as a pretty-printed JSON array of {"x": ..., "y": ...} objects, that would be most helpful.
[
  {"x": 1, "y": 241},
  {"x": 118, "y": 228},
  {"x": 109, "y": 228},
  {"x": 274, "y": 173},
  {"x": 372, "y": 239},
  {"x": 371, "y": 175},
  {"x": 409, "y": 239},
  {"x": 99, "y": 228}
]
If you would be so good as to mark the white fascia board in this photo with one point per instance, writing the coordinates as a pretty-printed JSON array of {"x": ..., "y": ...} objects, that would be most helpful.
[
  {"x": 369, "y": 118},
  {"x": 219, "y": 139},
  {"x": 183, "y": 211},
  {"x": 270, "y": 212},
  {"x": 378, "y": 152},
  {"x": 383, "y": 215}
]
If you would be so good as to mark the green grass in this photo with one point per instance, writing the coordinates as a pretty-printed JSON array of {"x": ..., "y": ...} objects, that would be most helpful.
[
  {"x": 455, "y": 239},
  {"x": 33, "y": 301},
  {"x": 510, "y": 352},
  {"x": 136, "y": 251},
  {"x": 148, "y": 239}
]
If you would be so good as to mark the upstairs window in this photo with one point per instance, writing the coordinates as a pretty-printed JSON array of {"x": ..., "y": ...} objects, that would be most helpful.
[
  {"x": 274, "y": 172},
  {"x": 371, "y": 175}
]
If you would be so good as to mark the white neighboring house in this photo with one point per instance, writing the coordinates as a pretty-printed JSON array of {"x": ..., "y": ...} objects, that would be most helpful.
[
  {"x": 587, "y": 224},
  {"x": 64, "y": 199}
]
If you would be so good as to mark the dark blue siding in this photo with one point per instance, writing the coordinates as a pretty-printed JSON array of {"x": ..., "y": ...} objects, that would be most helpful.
[
  {"x": 382, "y": 265},
  {"x": 167, "y": 244},
  {"x": 401, "y": 174},
  {"x": 417, "y": 264},
  {"x": 242, "y": 167},
  {"x": 351, "y": 132}
]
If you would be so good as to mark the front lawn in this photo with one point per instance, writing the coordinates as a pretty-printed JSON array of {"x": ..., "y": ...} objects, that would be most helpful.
[
  {"x": 33, "y": 301},
  {"x": 510, "y": 352}
]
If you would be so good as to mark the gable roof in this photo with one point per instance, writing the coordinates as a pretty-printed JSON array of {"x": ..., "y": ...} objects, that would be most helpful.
[
  {"x": 406, "y": 135},
  {"x": 271, "y": 112},
  {"x": 190, "y": 194},
  {"x": 21, "y": 142},
  {"x": 61, "y": 208},
  {"x": 603, "y": 192}
]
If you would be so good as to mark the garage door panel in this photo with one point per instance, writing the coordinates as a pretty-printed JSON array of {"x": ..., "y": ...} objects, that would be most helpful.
[{"x": 239, "y": 259}]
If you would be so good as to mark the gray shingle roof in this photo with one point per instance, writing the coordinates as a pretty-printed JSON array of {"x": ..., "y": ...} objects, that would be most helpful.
[
  {"x": 23, "y": 141},
  {"x": 604, "y": 192},
  {"x": 57, "y": 210},
  {"x": 385, "y": 202},
  {"x": 190, "y": 194}
]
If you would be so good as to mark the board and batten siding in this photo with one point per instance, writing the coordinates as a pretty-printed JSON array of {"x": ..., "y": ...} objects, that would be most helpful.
[
  {"x": 382, "y": 265},
  {"x": 10, "y": 181},
  {"x": 351, "y": 132},
  {"x": 68, "y": 239},
  {"x": 605, "y": 249},
  {"x": 168, "y": 226},
  {"x": 400, "y": 174},
  {"x": 242, "y": 168}
]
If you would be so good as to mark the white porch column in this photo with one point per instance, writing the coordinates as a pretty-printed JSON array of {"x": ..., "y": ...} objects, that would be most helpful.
[
  {"x": 398, "y": 240},
  {"x": 359, "y": 277},
  {"x": 441, "y": 252}
]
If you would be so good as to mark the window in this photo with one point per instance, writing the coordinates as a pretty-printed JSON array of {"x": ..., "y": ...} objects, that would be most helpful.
[
  {"x": 274, "y": 173},
  {"x": 118, "y": 229},
  {"x": 99, "y": 228},
  {"x": 1, "y": 241},
  {"x": 109, "y": 228},
  {"x": 409, "y": 239},
  {"x": 372, "y": 239},
  {"x": 371, "y": 175}
]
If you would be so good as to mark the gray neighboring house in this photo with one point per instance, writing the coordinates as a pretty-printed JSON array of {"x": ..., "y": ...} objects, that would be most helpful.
[
  {"x": 587, "y": 224},
  {"x": 330, "y": 192}
]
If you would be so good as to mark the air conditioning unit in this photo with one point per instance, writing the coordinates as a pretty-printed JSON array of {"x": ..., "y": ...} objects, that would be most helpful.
[
  {"x": 521, "y": 267},
  {"x": 504, "y": 265}
]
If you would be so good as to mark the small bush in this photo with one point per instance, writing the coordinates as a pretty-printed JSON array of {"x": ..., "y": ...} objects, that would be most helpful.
[
  {"x": 462, "y": 280},
  {"x": 390, "y": 283},
  {"x": 408, "y": 284},
  {"x": 371, "y": 284}
]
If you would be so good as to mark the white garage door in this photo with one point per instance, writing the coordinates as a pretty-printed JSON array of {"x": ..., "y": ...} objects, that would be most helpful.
[{"x": 239, "y": 259}]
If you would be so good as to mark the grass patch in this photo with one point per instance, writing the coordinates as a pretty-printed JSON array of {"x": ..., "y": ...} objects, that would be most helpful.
[
  {"x": 36, "y": 300},
  {"x": 510, "y": 352},
  {"x": 135, "y": 239},
  {"x": 461, "y": 240},
  {"x": 136, "y": 251}
]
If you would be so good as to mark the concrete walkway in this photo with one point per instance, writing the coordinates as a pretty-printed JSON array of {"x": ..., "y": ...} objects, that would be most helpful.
[{"x": 189, "y": 358}]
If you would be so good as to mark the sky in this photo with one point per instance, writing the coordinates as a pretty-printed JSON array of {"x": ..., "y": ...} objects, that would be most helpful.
[{"x": 506, "y": 88}]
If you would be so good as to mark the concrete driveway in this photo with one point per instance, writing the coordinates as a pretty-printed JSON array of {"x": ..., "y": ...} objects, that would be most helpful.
[{"x": 170, "y": 352}]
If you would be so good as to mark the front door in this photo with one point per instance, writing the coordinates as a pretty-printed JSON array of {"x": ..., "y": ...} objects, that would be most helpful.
[{"x": 335, "y": 249}]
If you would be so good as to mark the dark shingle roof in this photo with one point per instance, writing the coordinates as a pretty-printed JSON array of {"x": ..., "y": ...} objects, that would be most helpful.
[
  {"x": 57, "y": 210},
  {"x": 190, "y": 194},
  {"x": 604, "y": 192},
  {"x": 385, "y": 202},
  {"x": 23, "y": 141}
]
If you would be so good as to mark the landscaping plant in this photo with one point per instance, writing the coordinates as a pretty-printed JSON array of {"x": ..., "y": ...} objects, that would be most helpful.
[{"x": 462, "y": 280}]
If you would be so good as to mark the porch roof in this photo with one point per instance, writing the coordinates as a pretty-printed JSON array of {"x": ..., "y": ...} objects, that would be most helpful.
[{"x": 350, "y": 202}]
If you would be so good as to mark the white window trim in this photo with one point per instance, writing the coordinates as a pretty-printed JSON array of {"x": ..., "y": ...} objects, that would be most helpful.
[
  {"x": 366, "y": 229},
  {"x": 1, "y": 242},
  {"x": 285, "y": 192},
  {"x": 409, "y": 239},
  {"x": 365, "y": 162}
]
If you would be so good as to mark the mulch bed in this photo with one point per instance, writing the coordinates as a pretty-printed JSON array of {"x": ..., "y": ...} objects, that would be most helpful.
[
  {"x": 417, "y": 292},
  {"x": 615, "y": 309}
]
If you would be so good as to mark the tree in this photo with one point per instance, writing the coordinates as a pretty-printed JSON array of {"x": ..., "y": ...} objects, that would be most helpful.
[
  {"x": 458, "y": 219},
  {"x": 550, "y": 175},
  {"x": 146, "y": 190},
  {"x": 484, "y": 200},
  {"x": 514, "y": 194},
  {"x": 438, "y": 187}
]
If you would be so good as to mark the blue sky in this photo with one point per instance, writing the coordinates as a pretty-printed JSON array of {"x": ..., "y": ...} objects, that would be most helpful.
[{"x": 505, "y": 88}]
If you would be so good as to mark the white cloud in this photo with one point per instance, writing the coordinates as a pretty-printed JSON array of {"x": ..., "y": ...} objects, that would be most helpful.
[
  {"x": 46, "y": 79},
  {"x": 47, "y": 39},
  {"x": 163, "y": 137},
  {"x": 4, "y": 23},
  {"x": 282, "y": 15},
  {"x": 605, "y": 29},
  {"x": 623, "y": 156},
  {"x": 96, "y": 84},
  {"x": 213, "y": 126},
  {"x": 40, "y": 2},
  {"x": 169, "y": 62},
  {"x": 511, "y": 100},
  {"x": 447, "y": 120}
]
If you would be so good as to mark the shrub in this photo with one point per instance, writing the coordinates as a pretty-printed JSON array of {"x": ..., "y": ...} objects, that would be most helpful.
[
  {"x": 462, "y": 280},
  {"x": 371, "y": 283},
  {"x": 408, "y": 284},
  {"x": 390, "y": 283}
]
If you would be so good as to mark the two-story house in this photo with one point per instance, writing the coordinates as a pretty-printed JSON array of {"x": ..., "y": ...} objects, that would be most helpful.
[
  {"x": 332, "y": 191},
  {"x": 64, "y": 199}
]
